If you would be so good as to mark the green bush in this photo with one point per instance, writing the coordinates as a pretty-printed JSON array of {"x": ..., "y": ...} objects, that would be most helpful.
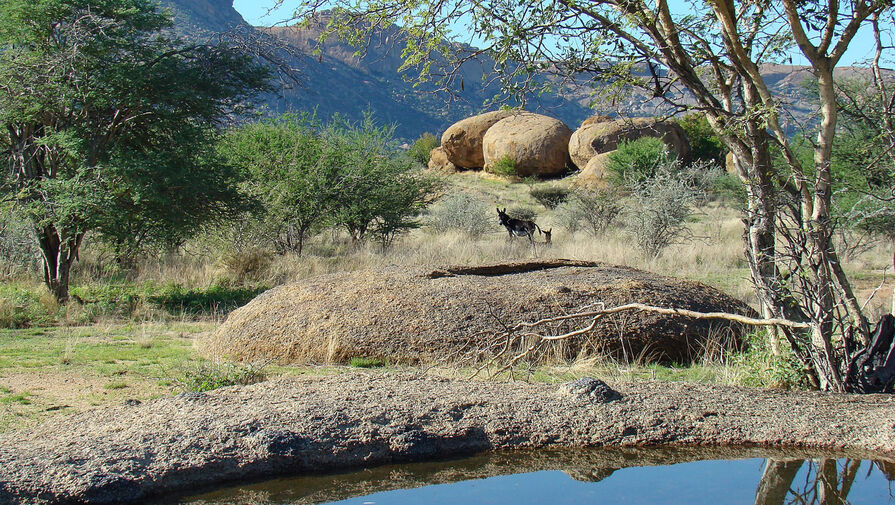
[
  {"x": 549, "y": 195},
  {"x": 422, "y": 147},
  {"x": 505, "y": 167},
  {"x": 215, "y": 299},
  {"x": 24, "y": 307},
  {"x": 636, "y": 161},
  {"x": 766, "y": 370},
  {"x": 704, "y": 143},
  {"x": 209, "y": 376}
]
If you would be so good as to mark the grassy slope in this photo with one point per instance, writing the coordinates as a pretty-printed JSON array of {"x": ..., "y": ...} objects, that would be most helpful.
[{"x": 138, "y": 340}]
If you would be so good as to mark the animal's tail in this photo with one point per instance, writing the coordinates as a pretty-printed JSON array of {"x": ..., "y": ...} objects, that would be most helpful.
[{"x": 539, "y": 228}]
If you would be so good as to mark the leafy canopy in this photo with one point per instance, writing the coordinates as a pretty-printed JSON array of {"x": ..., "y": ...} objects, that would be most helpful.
[{"x": 108, "y": 123}]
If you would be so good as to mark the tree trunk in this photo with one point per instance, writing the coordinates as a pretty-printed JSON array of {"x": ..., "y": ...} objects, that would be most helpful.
[
  {"x": 59, "y": 254},
  {"x": 776, "y": 481}
]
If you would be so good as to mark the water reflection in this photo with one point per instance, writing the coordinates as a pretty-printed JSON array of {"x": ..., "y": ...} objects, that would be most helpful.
[
  {"x": 824, "y": 481},
  {"x": 655, "y": 476}
]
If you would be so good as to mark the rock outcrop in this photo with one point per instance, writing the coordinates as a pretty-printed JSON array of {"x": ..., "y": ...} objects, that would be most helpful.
[
  {"x": 599, "y": 135},
  {"x": 462, "y": 141},
  {"x": 439, "y": 162},
  {"x": 538, "y": 145}
]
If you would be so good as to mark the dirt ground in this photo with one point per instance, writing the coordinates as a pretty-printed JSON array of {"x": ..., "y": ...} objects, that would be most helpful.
[{"x": 295, "y": 425}]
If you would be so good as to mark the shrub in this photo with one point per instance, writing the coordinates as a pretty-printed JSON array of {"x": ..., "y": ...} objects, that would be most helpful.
[
  {"x": 209, "y": 376},
  {"x": 765, "y": 369},
  {"x": 636, "y": 161},
  {"x": 549, "y": 195},
  {"x": 594, "y": 210},
  {"x": 704, "y": 143},
  {"x": 19, "y": 253},
  {"x": 23, "y": 307},
  {"x": 210, "y": 300},
  {"x": 464, "y": 212},
  {"x": 520, "y": 212},
  {"x": 505, "y": 167},
  {"x": 659, "y": 208},
  {"x": 422, "y": 147}
]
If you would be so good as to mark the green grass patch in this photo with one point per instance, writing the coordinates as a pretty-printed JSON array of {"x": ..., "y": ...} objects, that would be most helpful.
[
  {"x": 364, "y": 362},
  {"x": 115, "y": 385},
  {"x": 23, "y": 398},
  {"x": 209, "y": 376}
]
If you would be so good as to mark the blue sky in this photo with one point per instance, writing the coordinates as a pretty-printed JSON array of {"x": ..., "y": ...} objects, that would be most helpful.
[{"x": 255, "y": 12}]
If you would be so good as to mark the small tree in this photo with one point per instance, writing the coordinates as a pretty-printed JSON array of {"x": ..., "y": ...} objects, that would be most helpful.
[
  {"x": 290, "y": 171},
  {"x": 659, "y": 207},
  {"x": 106, "y": 122},
  {"x": 422, "y": 148},
  {"x": 379, "y": 190},
  {"x": 635, "y": 161}
]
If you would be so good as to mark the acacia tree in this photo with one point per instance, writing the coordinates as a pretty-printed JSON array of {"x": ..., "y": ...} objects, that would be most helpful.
[
  {"x": 107, "y": 123},
  {"x": 713, "y": 51}
]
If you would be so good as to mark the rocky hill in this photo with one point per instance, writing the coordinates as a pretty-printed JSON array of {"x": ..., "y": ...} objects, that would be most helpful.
[{"x": 341, "y": 81}]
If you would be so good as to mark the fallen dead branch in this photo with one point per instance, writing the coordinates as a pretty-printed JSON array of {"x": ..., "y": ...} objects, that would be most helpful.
[{"x": 870, "y": 369}]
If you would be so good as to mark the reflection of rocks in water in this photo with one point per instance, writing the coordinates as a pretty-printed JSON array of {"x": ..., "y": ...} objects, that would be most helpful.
[
  {"x": 586, "y": 465},
  {"x": 592, "y": 475}
]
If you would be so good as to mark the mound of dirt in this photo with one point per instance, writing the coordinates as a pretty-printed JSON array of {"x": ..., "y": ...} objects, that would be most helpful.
[{"x": 415, "y": 315}]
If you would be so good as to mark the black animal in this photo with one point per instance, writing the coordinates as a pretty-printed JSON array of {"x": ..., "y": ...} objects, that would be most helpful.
[{"x": 521, "y": 227}]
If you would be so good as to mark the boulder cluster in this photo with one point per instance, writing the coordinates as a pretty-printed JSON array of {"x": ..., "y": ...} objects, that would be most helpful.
[{"x": 542, "y": 146}]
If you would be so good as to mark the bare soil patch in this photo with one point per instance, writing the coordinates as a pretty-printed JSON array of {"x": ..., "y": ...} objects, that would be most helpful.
[
  {"x": 413, "y": 315},
  {"x": 311, "y": 424}
]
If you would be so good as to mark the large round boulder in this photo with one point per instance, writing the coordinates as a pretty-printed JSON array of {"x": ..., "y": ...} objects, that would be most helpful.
[
  {"x": 462, "y": 141},
  {"x": 417, "y": 315},
  {"x": 538, "y": 145},
  {"x": 593, "y": 175},
  {"x": 602, "y": 136},
  {"x": 439, "y": 162}
]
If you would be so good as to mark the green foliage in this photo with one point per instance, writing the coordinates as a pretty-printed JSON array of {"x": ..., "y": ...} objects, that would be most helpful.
[
  {"x": 365, "y": 362},
  {"x": 549, "y": 195},
  {"x": 309, "y": 176},
  {"x": 380, "y": 191},
  {"x": 636, "y": 161},
  {"x": 704, "y": 142},
  {"x": 109, "y": 125},
  {"x": 422, "y": 147},
  {"x": 505, "y": 167},
  {"x": 210, "y": 376},
  {"x": 728, "y": 188},
  {"x": 23, "y": 307},
  {"x": 765, "y": 369},
  {"x": 522, "y": 212},
  {"x": 290, "y": 169},
  {"x": 464, "y": 212}
]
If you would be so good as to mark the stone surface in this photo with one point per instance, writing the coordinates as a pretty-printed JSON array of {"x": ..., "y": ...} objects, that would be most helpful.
[
  {"x": 462, "y": 141},
  {"x": 439, "y": 162},
  {"x": 538, "y": 145},
  {"x": 419, "y": 315},
  {"x": 604, "y": 136},
  {"x": 309, "y": 424},
  {"x": 592, "y": 389}
]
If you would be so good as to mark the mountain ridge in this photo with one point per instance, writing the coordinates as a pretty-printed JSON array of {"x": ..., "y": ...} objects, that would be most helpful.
[{"x": 338, "y": 80}]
